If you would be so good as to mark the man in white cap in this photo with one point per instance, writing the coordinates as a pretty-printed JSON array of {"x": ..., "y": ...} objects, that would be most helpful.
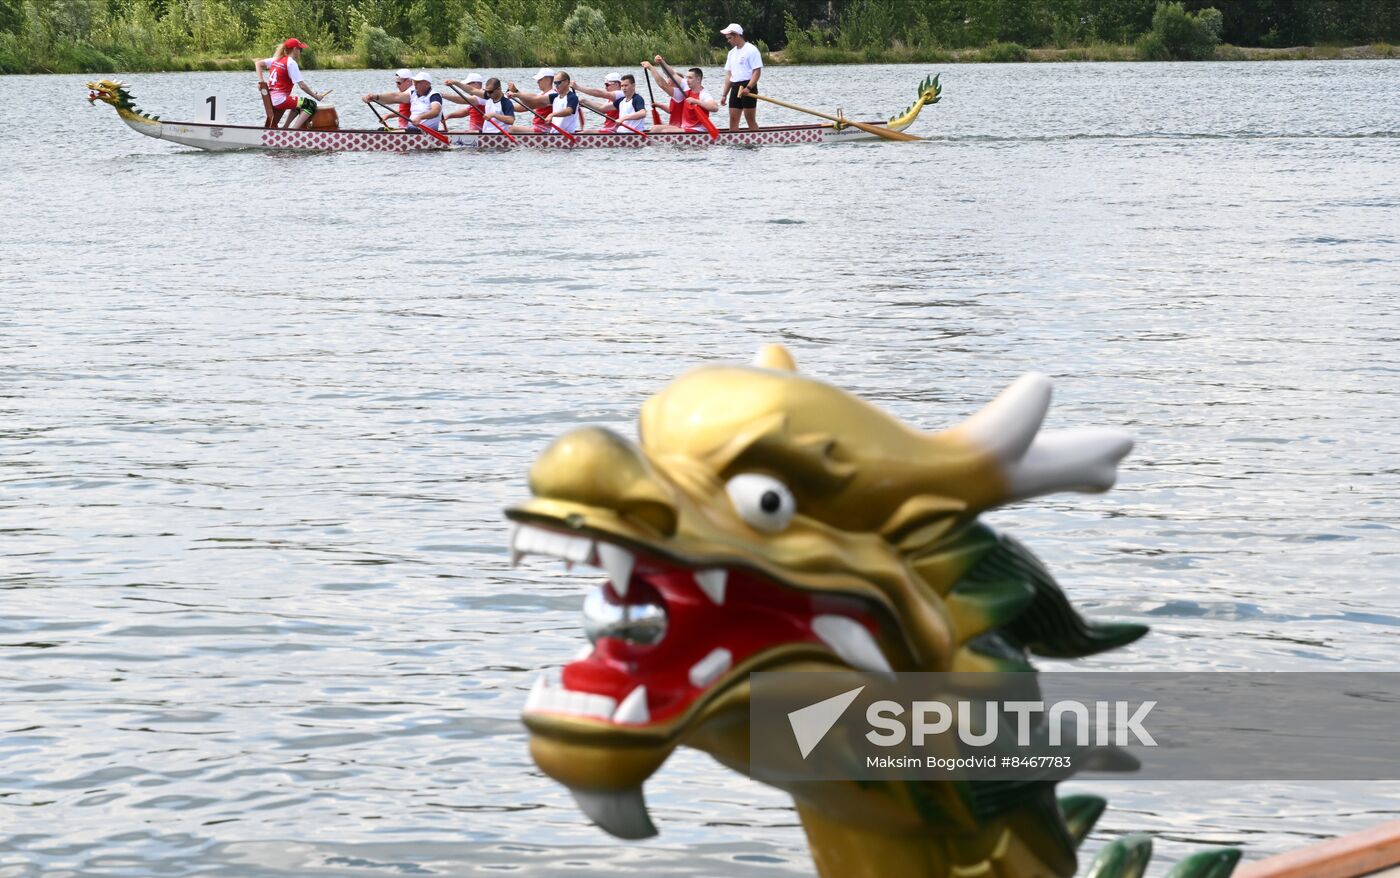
[
  {"x": 542, "y": 101},
  {"x": 623, "y": 102},
  {"x": 742, "y": 68},
  {"x": 425, "y": 105},
  {"x": 403, "y": 81},
  {"x": 472, "y": 85}
]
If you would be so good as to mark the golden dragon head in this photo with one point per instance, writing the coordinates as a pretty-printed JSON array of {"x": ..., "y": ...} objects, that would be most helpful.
[
  {"x": 769, "y": 521},
  {"x": 112, "y": 92},
  {"x": 929, "y": 93}
]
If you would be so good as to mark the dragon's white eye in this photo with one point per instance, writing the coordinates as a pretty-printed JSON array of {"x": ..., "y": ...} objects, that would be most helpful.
[{"x": 762, "y": 501}]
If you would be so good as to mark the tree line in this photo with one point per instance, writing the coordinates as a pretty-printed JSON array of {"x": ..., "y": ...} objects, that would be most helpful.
[{"x": 102, "y": 35}]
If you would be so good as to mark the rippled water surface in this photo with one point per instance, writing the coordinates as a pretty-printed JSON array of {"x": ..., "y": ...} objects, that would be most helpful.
[{"x": 259, "y": 414}]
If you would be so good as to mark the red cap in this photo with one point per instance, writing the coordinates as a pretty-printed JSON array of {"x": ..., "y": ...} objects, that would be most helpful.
[{"x": 294, "y": 43}]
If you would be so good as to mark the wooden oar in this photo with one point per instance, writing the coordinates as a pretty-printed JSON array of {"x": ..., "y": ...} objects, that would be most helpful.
[
  {"x": 436, "y": 135},
  {"x": 685, "y": 90},
  {"x": 618, "y": 122},
  {"x": 878, "y": 131},
  {"x": 1363, "y": 853},
  {"x": 504, "y": 130},
  {"x": 548, "y": 121},
  {"x": 655, "y": 116}
]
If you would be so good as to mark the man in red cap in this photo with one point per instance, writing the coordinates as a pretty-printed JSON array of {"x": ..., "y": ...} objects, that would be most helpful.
[{"x": 286, "y": 75}]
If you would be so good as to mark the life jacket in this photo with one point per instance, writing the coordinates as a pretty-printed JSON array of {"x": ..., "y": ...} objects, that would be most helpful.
[
  {"x": 404, "y": 110},
  {"x": 685, "y": 115},
  {"x": 677, "y": 111},
  {"x": 475, "y": 117},
  {"x": 610, "y": 123}
]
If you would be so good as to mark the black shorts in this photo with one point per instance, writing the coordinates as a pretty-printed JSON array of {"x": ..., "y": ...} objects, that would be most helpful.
[{"x": 738, "y": 103}]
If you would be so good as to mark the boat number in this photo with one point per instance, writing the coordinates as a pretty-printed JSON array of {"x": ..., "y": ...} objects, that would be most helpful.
[{"x": 213, "y": 102}]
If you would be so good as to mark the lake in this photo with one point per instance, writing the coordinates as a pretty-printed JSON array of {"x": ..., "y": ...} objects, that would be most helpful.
[{"x": 261, "y": 413}]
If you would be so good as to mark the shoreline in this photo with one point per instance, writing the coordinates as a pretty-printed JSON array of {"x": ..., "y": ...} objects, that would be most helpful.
[{"x": 996, "y": 53}]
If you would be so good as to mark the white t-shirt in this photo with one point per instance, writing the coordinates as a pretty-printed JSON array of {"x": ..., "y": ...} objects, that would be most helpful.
[
  {"x": 678, "y": 95},
  {"x": 421, "y": 103},
  {"x": 566, "y": 101},
  {"x": 626, "y": 107},
  {"x": 742, "y": 62}
]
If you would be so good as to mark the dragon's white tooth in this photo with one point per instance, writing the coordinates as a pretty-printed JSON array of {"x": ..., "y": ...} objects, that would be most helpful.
[
  {"x": 579, "y": 550},
  {"x": 712, "y": 583},
  {"x": 600, "y": 706},
  {"x": 709, "y": 668},
  {"x": 536, "y": 697},
  {"x": 584, "y": 652},
  {"x": 618, "y": 562},
  {"x": 633, "y": 709},
  {"x": 851, "y": 641},
  {"x": 511, "y": 542}
]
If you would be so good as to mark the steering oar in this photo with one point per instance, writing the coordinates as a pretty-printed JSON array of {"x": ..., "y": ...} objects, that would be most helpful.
[{"x": 877, "y": 130}]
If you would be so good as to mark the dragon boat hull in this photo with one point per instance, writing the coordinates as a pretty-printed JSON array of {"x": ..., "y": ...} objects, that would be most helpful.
[
  {"x": 234, "y": 137},
  {"x": 216, "y": 137}
]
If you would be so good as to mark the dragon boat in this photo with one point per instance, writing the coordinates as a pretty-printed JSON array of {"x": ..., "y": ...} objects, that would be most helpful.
[{"x": 324, "y": 134}]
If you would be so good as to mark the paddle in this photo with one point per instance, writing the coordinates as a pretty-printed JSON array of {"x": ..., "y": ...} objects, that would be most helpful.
[
  {"x": 685, "y": 90},
  {"x": 655, "y": 116},
  {"x": 548, "y": 121},
  {"x": 377, "y": 116},
  {"x": 878, "y": 131},
  {"x": 504, "y": 131},
  {"x": 618, "y": 122},
  {"x": 443, "y": 138}
]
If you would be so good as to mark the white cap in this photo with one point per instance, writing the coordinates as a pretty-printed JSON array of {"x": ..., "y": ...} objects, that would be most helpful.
[
  {"x": 733, "y": 29},
  {"x": 422, "y": 76},
  {"x": 613, "y": 77},
  {"x": 474, "y": 77},
  {"x": 544, "y": 73},
  {"x": 403, "y": 73}
]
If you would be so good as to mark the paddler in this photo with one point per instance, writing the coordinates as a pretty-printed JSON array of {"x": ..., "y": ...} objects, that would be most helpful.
[
  {"x": 688, "y": 107},
  {"x": 624, "y": 104},
  {"x": 542, "y": 101},
  {"x": 742, "y": 68},
  {"x": 286, "y": 75},
  {"x": 492, "y": 106},
  {"x": 472, "y": 86},
  {"x": 403, "y": 81},
  {"x": 424, "y": 103}
]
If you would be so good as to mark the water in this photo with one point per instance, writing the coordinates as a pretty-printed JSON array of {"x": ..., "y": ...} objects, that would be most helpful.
[{"x": 260, "y": 414}]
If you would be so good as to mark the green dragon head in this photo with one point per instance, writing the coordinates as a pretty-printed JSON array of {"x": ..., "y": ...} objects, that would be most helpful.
[{"x": 768, "y": 521}]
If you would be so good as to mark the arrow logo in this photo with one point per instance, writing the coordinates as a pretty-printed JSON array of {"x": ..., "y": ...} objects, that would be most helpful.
[{"x": 810, "y": 724}]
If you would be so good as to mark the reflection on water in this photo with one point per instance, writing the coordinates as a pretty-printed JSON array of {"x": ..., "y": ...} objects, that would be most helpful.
[{"x": 260, "y": 414}]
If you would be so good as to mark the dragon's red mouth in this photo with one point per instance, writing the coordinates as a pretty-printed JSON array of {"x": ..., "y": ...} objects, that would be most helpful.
[{"x": 666, "y": 634}]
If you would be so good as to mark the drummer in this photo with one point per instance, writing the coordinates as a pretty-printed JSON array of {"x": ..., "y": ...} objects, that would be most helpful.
[
  {"x": 286, "y": 75},
  {"x": 425, "y": 104}
]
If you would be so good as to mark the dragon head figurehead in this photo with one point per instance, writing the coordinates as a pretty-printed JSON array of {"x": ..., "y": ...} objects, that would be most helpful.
[
  {"x": 929, "y": 93},
  {"x": 115, "y": 93},
  {"x": 768, "y": 521}
]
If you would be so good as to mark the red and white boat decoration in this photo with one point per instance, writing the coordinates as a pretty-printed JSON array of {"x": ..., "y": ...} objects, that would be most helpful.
[{"x": 325, "y": 134}]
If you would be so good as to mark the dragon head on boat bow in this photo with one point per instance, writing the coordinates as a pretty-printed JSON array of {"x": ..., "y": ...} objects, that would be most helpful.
[
  {"x": 929, "y": 93},
  {"x": 767, "y": 521},
  {"x": 111, "y": 92}
]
